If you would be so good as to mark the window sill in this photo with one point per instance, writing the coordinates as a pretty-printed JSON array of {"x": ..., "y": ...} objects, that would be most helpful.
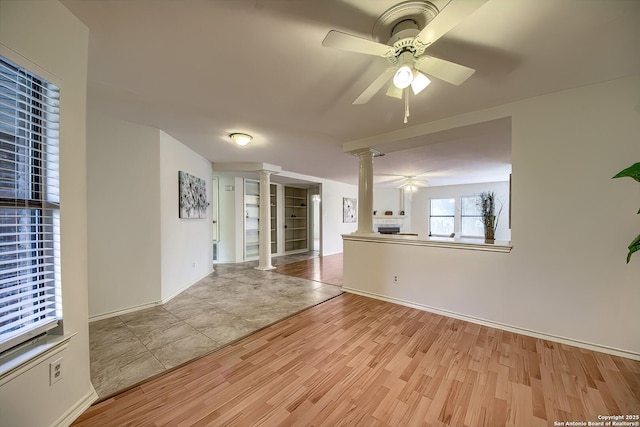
[
  {"x": 19, "y": 361},
  {"x": 441, "y": 242}
]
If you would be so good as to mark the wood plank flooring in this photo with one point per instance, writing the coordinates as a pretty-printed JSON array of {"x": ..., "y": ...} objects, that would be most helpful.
[
  {"x": 325, "y": 269},
  {"x": 355, "y": 361}
]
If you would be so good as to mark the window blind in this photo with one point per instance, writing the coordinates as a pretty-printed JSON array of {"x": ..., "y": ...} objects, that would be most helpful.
[{"x": 30, "y": 302}]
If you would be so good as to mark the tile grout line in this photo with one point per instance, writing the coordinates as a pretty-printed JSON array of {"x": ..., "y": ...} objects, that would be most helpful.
[{"x": 293, "y": 300}]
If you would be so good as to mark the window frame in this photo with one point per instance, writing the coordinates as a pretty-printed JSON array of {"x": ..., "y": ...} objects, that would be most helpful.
[
  {"x": 29, "y": 111},
  {"x": 463, "y": 216},
  {"x": 453, "y": 216}
]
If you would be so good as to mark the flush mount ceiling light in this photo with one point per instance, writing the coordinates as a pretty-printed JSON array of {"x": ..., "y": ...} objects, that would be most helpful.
[{"x": 240, "y": 138}]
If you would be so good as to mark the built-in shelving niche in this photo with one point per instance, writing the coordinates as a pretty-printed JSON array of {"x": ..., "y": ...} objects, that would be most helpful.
[
  {"x": 296, "y": 219},
  {"x": 252, "y": 219}
]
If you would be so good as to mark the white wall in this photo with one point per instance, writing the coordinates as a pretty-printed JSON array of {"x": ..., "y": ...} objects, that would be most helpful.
[
  {"x": 387, "y": 199},
  {"x": 123, "y": 160},
  {"x": 46, "y": 38},
  {"x": 186, "y": 244},
  {"x": 420, "y": 205},
  {"x": 332, "y": 226},
  {"x": 571, "y": 224},
  {"x": 140, "y": 252}
]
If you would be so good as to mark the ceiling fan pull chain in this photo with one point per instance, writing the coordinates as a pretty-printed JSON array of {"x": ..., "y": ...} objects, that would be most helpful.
[{"x": 406, "y": 105}]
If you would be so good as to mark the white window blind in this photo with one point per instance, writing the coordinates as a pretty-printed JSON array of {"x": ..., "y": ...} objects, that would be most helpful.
[{"x": 30, "y": 300}]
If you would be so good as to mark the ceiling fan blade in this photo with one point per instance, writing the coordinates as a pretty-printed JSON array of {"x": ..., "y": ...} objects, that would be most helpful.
[
  {"x": 375, "y": 86},
  {"x": 450, "y": 72},
  {"x": 394, "y": 91},
  {"x": 412, "y": 185},
  {"x": 395, "y": 182},
  {"x": 452, "y": 14},
  {"x": 351, "y": 43}
]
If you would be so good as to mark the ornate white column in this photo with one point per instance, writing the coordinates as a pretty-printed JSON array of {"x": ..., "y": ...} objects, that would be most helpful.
[
  {"x": 365, "y": 191},
  {"x": 264, "y": 228}
]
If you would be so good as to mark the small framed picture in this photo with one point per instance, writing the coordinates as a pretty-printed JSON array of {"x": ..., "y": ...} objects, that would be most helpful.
[
  {"x": 349, "y": 210},
  {"x": 192, "y": 197}
]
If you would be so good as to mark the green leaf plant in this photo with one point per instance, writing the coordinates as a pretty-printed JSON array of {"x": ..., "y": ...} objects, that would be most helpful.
[{"x": 632, "y": 171}]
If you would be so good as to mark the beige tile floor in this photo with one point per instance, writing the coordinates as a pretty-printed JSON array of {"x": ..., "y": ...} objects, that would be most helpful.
[{"x": 231, "y": 303}]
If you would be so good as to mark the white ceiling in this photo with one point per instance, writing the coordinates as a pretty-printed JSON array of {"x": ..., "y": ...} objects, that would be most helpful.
[{"x": 201, "y": 69}]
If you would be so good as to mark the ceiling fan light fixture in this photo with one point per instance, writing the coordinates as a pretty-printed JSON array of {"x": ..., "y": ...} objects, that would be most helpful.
[
  {"x": 409, "y": 186},
  {"x": 240, "y": 139},
  {"x": 403, "y": 77},
  {"x": 420, "y": 81}
]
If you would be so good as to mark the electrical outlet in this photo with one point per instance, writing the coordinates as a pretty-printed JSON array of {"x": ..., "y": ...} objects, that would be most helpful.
[
  {"x": 55, "y": 371},
  {"x": 396, "y": 280}
]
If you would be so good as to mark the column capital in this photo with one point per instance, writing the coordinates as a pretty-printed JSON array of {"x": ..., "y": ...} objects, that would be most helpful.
[
  {"x": 265, "y": 172},
  {"x": 362, "y": 151}
]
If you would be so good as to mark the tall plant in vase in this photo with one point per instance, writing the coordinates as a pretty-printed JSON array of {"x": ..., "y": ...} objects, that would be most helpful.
[
  {"x": 489, "y": 218},
  {"x": 632, "y": 171}
]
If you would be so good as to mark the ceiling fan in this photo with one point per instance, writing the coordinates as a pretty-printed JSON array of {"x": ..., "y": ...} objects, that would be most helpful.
[
  {"x": 407, "y": 182},
  {"x": 409, "y": 29}
]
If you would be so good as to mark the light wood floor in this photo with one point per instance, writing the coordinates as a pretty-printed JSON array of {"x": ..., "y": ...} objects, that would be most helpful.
[
  {"x": 355, "y": 361},
  {"x": 326, "y": 269}
]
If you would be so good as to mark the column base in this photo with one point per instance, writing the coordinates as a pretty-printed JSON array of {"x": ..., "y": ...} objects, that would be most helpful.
[{"x": 264, "y": 268}]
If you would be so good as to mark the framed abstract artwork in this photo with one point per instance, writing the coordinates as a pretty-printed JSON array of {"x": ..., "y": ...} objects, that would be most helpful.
[
  {"x": 349, "y": 209},
  {"x": 192, "y": 196}
]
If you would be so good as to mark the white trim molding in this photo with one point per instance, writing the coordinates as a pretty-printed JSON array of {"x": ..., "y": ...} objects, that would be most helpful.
[
  {"x": 498, "y": 325},
  {"x": 128, "y": 310},
  {"x": 184, "y": 288},
  {"x": 76, "y": 410},
  {"x": 148, "y": 305},
  {"x": 16, "y": 362},
  {"x": 444, "y": 242}
]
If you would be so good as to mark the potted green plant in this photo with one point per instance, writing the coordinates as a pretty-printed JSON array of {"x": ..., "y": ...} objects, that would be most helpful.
[
  {"x": 632, "y": 171},
  {"x": 487, "y": 204}
]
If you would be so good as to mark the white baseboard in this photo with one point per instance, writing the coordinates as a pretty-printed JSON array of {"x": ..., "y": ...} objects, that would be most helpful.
[
  {"x": 331, "y": 253},
  {"x": 123, "y": 311},
  {"x": 555, "y": 338},
  {"x": 148, "y": 305},
  {"x": 184, "y": 288},
  {"x": 76, "y": 410}
]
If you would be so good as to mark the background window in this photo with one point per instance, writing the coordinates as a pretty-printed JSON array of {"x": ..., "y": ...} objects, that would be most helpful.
[
  {"x": 470, "y": 217},
  {"x": 442, "y": 216},
  {"x": 30, "y": 300}
]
